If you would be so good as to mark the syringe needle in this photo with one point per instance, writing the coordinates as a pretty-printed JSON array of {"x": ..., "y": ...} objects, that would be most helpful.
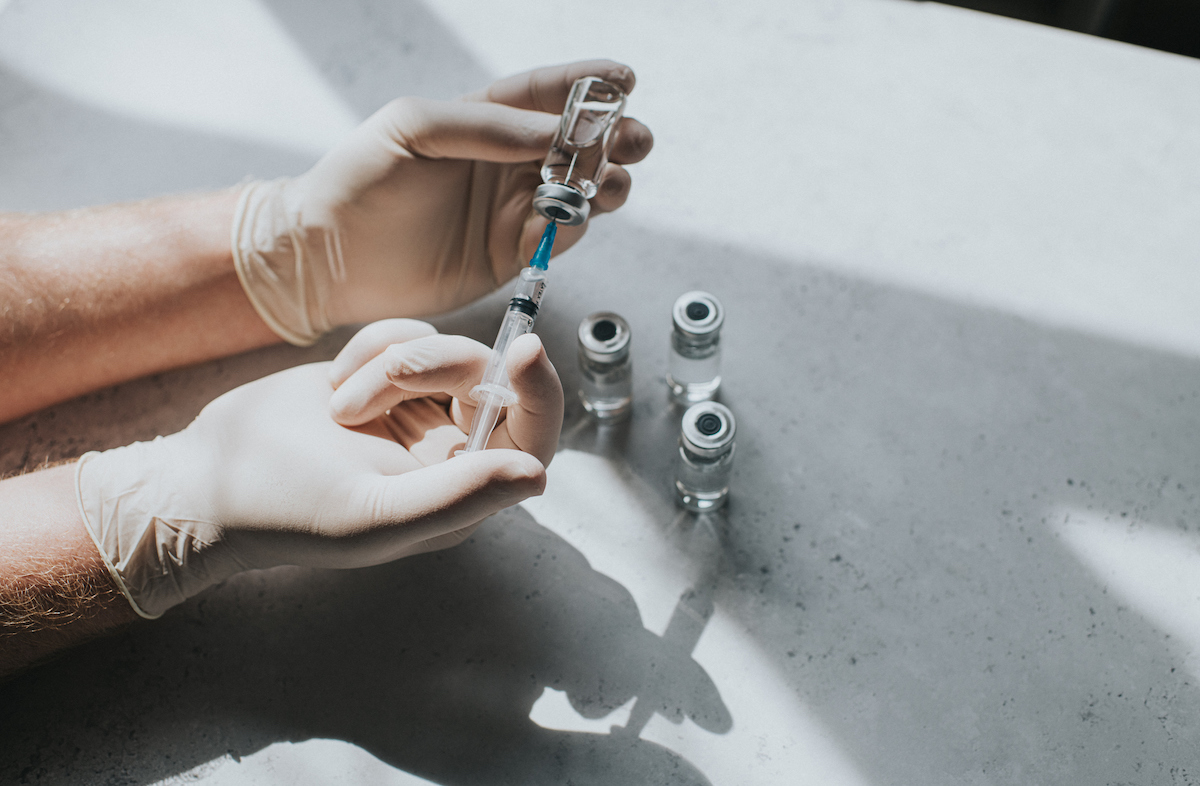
[{"x": 493, "y": 393}]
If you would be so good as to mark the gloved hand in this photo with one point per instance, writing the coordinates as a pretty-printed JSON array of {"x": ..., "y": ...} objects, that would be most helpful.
[
  {"x": 265, "y": 477},
  {"x": 423, "y": 208}
]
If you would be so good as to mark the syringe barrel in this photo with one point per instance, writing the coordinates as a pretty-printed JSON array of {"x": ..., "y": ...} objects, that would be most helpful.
[
  {"x": 486, "y": 414},
  {"x": 516, "y": 323},
  {"x": 493, "y": 392},
  {"x": 518, "y": 320},
  {"x": 531, "y": 285}
]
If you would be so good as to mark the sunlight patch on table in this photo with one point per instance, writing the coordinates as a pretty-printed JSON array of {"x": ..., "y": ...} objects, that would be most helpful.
[
  {"x": 226, "y": 67},
  {"x": 624, "y": 527},
  {"x": 1155, "y": 570},
  {"x": 330, "y": 762}
]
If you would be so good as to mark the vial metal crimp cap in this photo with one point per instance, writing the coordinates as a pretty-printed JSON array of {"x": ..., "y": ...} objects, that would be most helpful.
[
  {"x": 561, "y": 203},
  {"x": 604, "y": 337},
  {"x": 708, "y": 429},
  {"x": 697, "y": 314}
]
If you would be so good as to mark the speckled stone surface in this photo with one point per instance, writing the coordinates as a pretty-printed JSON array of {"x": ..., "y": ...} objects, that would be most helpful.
[{"x": 959, "y": 547}]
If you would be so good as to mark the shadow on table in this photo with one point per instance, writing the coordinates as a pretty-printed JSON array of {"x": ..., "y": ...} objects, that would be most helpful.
[
  {"x": 904, "y": 466},
  {"x": 891, "y": 545},
  {"x": 431, "y": 664},
  {"x": 60, "y": 154},
  {"x": 903, "y": 461}
]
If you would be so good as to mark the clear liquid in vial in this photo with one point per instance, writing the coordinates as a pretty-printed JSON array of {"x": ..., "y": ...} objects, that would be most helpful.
[
  {"x": 606, "y": 389},
  {"x": 580, "y": 148},
  {"x": 702, "y": 484},
  {"x": 694, "y": 369},
  {"x": 577, "y": 167}
]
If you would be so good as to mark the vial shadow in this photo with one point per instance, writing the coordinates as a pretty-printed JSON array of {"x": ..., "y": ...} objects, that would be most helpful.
[{"x": 703, "y": 538}]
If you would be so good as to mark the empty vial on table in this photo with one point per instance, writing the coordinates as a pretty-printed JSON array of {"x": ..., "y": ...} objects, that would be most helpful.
[
  {"x": 694, "y": 370},
  {"x": 605, "y": 366},
  {"x": 705, "y": 460}
]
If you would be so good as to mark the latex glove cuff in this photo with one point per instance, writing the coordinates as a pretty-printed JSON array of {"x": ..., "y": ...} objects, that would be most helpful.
[
  {"x": 161, "y": 542},
  {"x": 288, "y": 265}
]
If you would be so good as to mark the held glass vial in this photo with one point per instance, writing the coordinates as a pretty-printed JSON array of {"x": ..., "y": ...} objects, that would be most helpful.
[
  {"x": 705, "y": 460},
  {"x": 605, "y": 366},
  {"x": 694, "y": 368},
  {"x": 574, "y": 167}
]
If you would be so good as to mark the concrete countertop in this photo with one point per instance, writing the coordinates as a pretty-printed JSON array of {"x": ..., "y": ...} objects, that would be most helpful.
[{"x": 959, "y": 262}]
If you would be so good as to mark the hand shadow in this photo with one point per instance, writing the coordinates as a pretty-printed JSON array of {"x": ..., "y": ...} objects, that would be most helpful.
[{"x": 432, "y": 664}]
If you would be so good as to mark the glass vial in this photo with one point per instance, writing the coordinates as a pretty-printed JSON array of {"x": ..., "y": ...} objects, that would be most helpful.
[
  {"x": 694, "y": 368},
  {"x": 606, "y": 366},
  {"x": 705, "y": 460},
  {"x": 574, "y": 167}
]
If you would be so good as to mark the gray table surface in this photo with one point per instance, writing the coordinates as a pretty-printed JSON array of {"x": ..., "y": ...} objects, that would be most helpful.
[{"x": 959, "y": 262}]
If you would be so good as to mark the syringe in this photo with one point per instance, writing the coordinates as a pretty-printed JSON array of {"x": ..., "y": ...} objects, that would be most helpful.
[{"x": 493, "y": 393}]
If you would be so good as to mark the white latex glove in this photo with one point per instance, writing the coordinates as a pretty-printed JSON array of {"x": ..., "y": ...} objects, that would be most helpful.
[
  {"x": 423, "y": 208},
  {"x": 265, "y": 477}
]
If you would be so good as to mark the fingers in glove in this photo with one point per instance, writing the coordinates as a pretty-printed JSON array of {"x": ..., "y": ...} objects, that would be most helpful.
[
  {"x": 614, "y": 190},
  {"x": 416, "y": 511},
  {"x": 480, "y": 131},
  {"x": 533, "y": 423},
  {"x": 633, "y": 142},
  {"x": 372, "y": 340},
  {"x": 449, "y": 540},
  {"x": 430, "y": 365},
  {"x": 546, "y": 89},
  {"x": 423, "y": 428}
]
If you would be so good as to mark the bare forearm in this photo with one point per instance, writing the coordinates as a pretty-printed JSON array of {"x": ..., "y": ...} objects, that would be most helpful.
[
  {"x": 96, "y": 296},
  {"x": 55, "y": 590}
]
